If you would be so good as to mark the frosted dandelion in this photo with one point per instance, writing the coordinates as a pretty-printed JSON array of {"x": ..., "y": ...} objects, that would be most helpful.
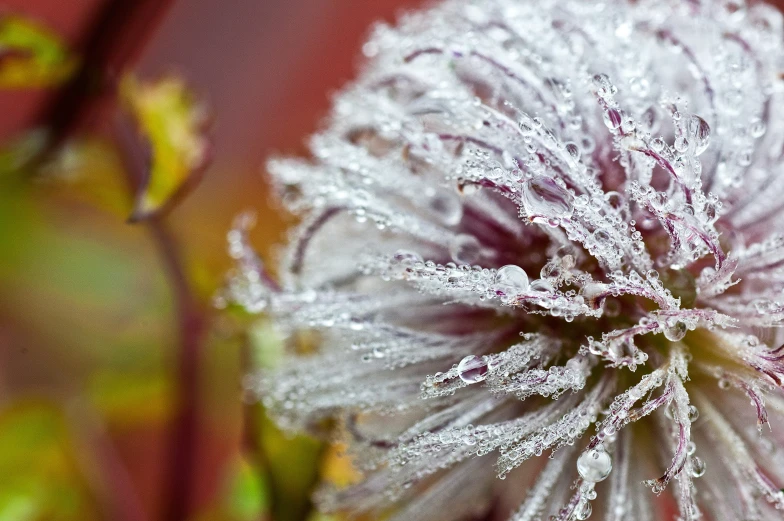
[{"x": 540, "y": 242}]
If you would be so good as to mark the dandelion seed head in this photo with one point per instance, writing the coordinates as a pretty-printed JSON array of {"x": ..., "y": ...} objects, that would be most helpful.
[{"x": 534, "y": 229}]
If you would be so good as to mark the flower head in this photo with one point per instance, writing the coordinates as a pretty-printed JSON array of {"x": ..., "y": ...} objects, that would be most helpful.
[{"x": 539, "y": 228}]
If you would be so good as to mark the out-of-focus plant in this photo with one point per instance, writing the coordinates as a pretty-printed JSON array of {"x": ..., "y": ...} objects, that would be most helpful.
[
  {"x": 138, "y": 172},
  {"x": 173, "y": 123},
  {"x": 31, "y": 55}
]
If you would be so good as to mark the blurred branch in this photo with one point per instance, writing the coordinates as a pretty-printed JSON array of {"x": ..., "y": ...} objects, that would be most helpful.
[
  {"x": 191, "y": 324},
  {"x": 116, "y": 36}
]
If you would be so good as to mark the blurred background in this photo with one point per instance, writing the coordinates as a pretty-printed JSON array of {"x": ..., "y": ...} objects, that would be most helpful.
[{"x": 120, "y": 383}]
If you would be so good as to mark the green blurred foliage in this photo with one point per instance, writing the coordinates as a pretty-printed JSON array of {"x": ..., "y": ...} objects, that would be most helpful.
[
  {"x": 78, "y": 280},
  {"x": 31, "y": 55},
  {"x": 41, "y": 475},
  {"x": 88, "y": 326}
]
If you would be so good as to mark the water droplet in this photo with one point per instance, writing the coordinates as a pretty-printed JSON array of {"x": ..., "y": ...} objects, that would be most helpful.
[
  {"x": 602, "y": 238},
  {"x": 658, "y": 144},
  {"x": 604, "y": 87},
  {"x": 465, "y": 249},
  {"x": 583, "y": 510},
  {"x": 675, "y": 330},
  {"x": 681, "y": 144},
  {"x": 613, "y": 119},
  {"x": 447, "y": 206},
  {"x": 594, "y": 465},
  {"x": 541, "y": 286},
  {"x": 700, "y": 132},
  {"x": 694, "y": 413},
  {"x": 542, "y": 196},
  {"x": 407, "y": 257},
  {"x": 511, "y": 279},
  {"x": 472, "y": 369},
  {"x": 573, "y": 150},
  {"x": 697, "y": 467},
  {"x": 757, "y": 128}
]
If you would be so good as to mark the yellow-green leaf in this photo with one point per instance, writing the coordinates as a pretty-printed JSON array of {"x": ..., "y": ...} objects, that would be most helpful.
[
  {"x": 173, "y": 123},
  {"x": 31, "y": 55},
  {"x": 38, "y": 463}
]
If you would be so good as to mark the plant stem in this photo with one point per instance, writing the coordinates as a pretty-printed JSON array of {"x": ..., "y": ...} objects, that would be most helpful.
[
  {"x": 192, "y": 328},
  {"x": 116, "y": 36}
]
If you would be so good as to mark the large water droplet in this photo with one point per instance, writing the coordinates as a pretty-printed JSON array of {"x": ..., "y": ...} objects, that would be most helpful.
[
  {"x": 447, "y": 206},
  {"x": 573, "y": 150},
  {"x": 594, "y": 465},
  {"x": 541, "y": 286},
  {"x": 542, "y": 196},
  {"x": 613, "y": 119},
  {"x": 511, "y": 279},
  {"x": 472, "y": 369},
  {"x": 465, "y": 249},
  {"x": 700, "y": 132},
  {"x": 675, "y": 330}
]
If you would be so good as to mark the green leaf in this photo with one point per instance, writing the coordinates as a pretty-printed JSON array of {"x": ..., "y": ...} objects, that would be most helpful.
[
  {"x": 31, "y": 55},
  {"x": 173, "y": 123},
  {"x": 247, "y": 494},
  {"x": 41, "y": 477}
]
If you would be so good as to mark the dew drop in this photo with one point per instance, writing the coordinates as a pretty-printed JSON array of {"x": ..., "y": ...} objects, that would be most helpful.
[
  {"x": 594, "y": 465},
  {"x": 700, "y": 132},
  {"x": 604, "y": 87},
  {"x": 472, "y": 369},
  {"x": 542, "y": 286},
  {"x": 573, "y": 150},
  {"x": 757, "y": 128},
  {"x": 694, "y": 413},
  {"x": 697, "y": 467},
  {"x": 675, "y": 330},
  {"x": 583, "y": 510},
  {"x": 542, "y": 196},
  {"x": 511, "y": 279},
  {"x": 681, "y": 144},
  {"x": 602, "y": 238},
  {"x": 465, "y": 249},
  {"x": 407, "y": 257},
  {"x": 612, "y": 118},
  {"x": 447, "y": 206}
]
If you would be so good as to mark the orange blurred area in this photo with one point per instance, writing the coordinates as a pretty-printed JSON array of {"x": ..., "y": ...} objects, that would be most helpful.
[{"x": 89, "y": 341}]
